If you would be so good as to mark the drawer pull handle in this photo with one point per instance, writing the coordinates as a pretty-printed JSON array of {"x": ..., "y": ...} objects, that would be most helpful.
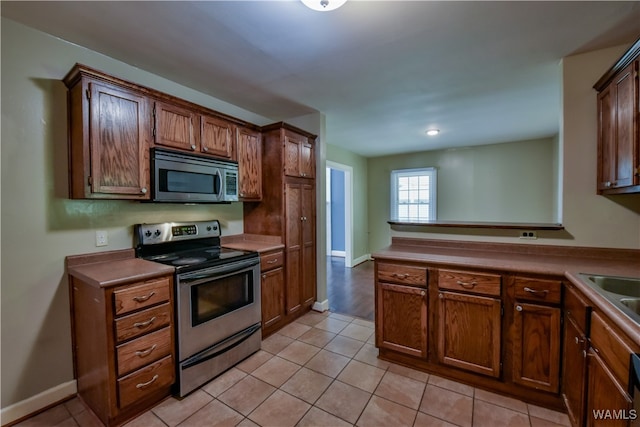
[
  {"x": 144, "y": 353},
  {"x": 273, "y": 261},
  {"x": 400, "y": 276},
  {"x": 148, "y": 383},
  {"x": 145, "y": 324},
  {"x": 423, "y": 293},
  {"x": 543, "y": 293},
  {"x": 144, "y": 298},
  {"x": 579, "y": 341},
  {"x": 518, "y": 308},
  {"x": 467, "y": 285}
]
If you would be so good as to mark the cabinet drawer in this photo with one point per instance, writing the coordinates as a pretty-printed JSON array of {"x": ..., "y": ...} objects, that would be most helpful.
[
  {"x": 477, "y": 283},
  {"x": 394, "y": 273},
  {"x": 145, "y": 381},
  {"x": 142, "y": 322},
  {"x": 538, "y": 290},
  {"x": 132, "y": 298},
  {"x": 613, "y": 349},
  {"x": 143, "y": 350},
  {"x": 271, "y": 261},
  {"x": 575, "y": 307}
]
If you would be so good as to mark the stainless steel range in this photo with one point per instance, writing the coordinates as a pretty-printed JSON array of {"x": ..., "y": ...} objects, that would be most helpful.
[{"x": 217, "y": 297}]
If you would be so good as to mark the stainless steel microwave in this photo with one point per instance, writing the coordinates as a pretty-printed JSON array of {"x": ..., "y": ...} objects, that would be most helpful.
[{"x": 178, "y": 177}]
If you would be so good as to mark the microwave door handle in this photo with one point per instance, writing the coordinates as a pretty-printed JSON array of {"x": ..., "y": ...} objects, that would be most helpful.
[{"x": 222, "y": 184}]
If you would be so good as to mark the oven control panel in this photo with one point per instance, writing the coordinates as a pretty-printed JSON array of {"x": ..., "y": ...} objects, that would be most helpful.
[{"x": 149, "y": 234}]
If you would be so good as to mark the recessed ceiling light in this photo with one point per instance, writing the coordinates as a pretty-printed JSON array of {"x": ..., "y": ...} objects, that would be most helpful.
[
  {"x": 324, "y": 5},
  {"x": 433, "y": 132}
]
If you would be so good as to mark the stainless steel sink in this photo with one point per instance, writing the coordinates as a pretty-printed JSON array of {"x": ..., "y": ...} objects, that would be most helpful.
[
  {"x": 626, "y": 286},
  {"x": 622, "y": 292},
  {"x": 632, "y": 303}
]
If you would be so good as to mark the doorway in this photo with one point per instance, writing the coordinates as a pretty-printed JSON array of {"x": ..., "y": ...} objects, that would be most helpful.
[{"x": 339, "y": 212}]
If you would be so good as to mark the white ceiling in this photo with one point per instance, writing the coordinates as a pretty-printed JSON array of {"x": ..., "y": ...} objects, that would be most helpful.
[{"x": 381, "y": 71}]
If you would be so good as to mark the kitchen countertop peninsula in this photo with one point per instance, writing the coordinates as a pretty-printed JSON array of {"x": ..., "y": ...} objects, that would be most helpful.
[
  {"x": 252, "y": 242},
  {"x": 113, "y": 268},
  {"x": 564, "y": 261}
]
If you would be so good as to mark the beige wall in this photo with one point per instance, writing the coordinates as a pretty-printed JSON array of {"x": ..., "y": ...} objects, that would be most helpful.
[
  {"x": 40, "y": 226},
  {"x": 589, "y": 219},
  {"x": 510, "y": 182}
]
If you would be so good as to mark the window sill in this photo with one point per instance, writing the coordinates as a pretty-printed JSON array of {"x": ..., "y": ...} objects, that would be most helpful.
[{"x": 477, "y": 224}]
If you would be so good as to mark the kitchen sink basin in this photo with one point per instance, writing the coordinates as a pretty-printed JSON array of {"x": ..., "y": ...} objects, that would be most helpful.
[
  {"x": 632, "y": 303},
  {"x": 622, "y": 292},
  {"x": 626, "y": 286}
]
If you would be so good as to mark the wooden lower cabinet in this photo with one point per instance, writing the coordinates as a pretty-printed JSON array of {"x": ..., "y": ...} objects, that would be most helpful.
[
  {"x": 401, "y": 319},
  {"x": 469, "y": 332},
  {"x": 575, "y": 370},
  {"x": 607, "y": 401},
  {"x": 272, "y": 290},
  {"x": 536, "y": 346},
  {"x": 124, "y": 348}
]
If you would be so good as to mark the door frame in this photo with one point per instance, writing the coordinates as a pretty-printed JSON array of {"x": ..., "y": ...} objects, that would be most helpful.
[{"x": 348, "y": 210}]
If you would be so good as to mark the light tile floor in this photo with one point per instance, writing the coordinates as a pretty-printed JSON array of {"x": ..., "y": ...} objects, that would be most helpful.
[{"x": 323, "y": 370}]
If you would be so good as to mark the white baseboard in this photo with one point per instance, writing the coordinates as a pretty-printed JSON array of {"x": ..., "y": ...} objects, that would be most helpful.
[
  {"x": 321, "y": 306},
  {"x": 39, "y": 401},
  {"x": 341, "y": 254},
  {"x": 360, "y": 260}
]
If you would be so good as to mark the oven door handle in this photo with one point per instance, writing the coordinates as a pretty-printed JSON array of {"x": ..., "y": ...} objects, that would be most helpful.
[
  {"x": 218, "y": 272},
  {"x": 220, "y": 348}
]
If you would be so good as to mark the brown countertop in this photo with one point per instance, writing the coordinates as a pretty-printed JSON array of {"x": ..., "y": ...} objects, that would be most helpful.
[
  {"x": 252, "y": 242},
  {"x": 532, "y": 259},
  {"x": 113, "y": 268}
]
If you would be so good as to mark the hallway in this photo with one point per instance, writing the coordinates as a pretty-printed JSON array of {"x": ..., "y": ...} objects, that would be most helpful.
[{"x": 350, "y": 290}]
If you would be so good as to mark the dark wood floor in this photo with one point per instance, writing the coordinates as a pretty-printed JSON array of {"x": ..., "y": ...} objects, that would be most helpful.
[{"x": 350, "y": 290}]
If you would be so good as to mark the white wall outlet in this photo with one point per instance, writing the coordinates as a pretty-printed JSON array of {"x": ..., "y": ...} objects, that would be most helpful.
[
  {"x": 529, "y": 235},
  {"x": 102, "y": 239}
]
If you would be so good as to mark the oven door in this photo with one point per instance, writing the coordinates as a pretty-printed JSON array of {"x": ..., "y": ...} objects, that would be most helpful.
[{"x": 216, "y": 303}]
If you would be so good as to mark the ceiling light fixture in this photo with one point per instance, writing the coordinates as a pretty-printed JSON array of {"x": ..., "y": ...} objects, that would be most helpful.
[
  {"x": 433, "y": 132},
  {"x": 323, "y": 5}
]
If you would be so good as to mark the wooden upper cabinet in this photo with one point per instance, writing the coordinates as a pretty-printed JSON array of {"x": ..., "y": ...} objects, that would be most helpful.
[
  {"x": 109, "y": 139},
  {"x": 249, "y": 149},
  {"x": 299, "y": 157},
  {"x": 619, "y": 126},
  {"x": 616, "y": 131},
  {"x": 216, "y": 137},
  {"x": 174, "y": 126}
]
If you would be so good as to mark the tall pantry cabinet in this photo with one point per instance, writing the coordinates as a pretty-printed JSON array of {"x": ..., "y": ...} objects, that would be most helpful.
[{"x": 288, "y": 210}]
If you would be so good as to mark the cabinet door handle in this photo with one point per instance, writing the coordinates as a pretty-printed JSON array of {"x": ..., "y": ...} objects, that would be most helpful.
[
  {"x": 543, "y": 293},
  {"x": 423, "y": 293},
  {"x": 148, "y": 383},
  {"x": 193, "y": 147},
  {"x": 145, "y": 324},
  {"x": 205, "y": 149},
  {"x": 518, "y": 308},
  {"x": 579, "y": 341},
  {"x": 467, "y": 285},
  {"x": 264, "y": 276},
  {"x": 144, "y": 298},
  {"x": 143, "y": 190},
  {"x": 144, "y": 353}
]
